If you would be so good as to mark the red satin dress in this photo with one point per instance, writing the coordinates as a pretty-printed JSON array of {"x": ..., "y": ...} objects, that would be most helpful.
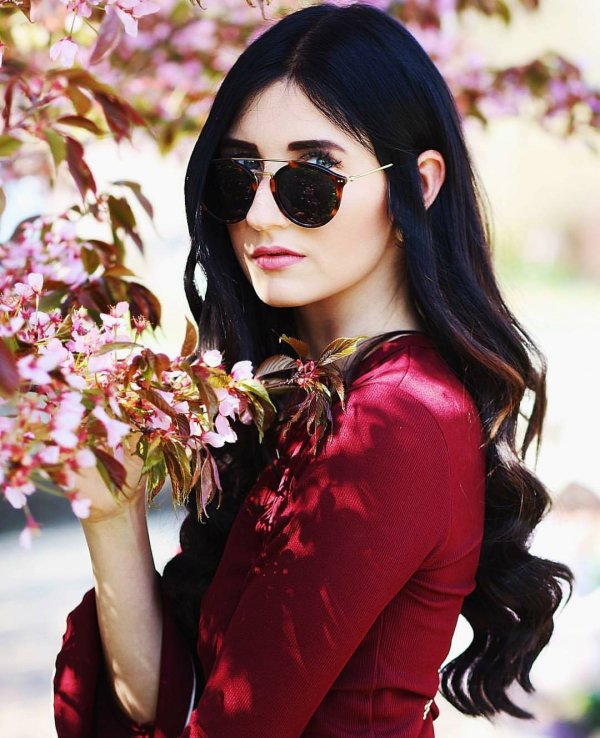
[{"x": 343, "y": 576}]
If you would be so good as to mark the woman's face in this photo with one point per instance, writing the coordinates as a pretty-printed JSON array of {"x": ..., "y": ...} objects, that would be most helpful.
[{"x": 351, "y": 259}]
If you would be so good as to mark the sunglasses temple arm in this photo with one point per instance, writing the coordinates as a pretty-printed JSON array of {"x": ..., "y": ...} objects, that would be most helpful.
[{"x": 364, "y": 174}]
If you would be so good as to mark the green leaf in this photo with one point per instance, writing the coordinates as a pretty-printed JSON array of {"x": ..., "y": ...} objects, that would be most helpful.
[
  {"x": 116, "y": 346},
  {"x": 9, "y": 144},
  {"x": 255, "y": 387},
  {"x": 81, "y": 102},
  {"x": 338, "y": 348}
]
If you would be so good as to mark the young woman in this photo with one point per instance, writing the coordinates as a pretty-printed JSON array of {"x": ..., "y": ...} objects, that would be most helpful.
[{"x": 321, "y": 598}]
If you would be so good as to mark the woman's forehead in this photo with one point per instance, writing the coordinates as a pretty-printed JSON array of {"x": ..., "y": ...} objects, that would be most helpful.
[{"x": 286, "y": 113}]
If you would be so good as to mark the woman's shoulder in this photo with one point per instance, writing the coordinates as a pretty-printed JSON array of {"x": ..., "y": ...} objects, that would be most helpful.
[{"x": 412, "y": 370}]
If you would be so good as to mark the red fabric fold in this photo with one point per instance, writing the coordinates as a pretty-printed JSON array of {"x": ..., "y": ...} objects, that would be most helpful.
[{"x": 84, "y": 704}]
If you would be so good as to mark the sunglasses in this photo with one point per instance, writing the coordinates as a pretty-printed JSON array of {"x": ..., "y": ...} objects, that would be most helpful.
[{"x": 307, "y": 194}]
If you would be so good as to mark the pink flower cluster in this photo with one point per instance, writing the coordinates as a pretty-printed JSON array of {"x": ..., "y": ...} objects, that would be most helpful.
[
  {"x": 55, "y": 254},
  {"x": 83, "y": 387}
]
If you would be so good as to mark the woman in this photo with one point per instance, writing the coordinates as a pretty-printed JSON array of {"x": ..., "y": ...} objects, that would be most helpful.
[{"x": 336, "y": 579}]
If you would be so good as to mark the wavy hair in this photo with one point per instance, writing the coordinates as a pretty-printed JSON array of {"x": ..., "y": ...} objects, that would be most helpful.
[{"x": 366, "y": 73}]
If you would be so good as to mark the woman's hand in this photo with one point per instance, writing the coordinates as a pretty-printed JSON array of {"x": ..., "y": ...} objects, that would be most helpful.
[{"x": 104, "y": 506}]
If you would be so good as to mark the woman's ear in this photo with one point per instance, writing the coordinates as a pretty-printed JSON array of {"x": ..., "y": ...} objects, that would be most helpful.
[{"x": 432, "y": 171}]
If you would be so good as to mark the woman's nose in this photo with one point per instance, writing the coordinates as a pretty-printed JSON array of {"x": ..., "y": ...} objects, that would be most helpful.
[{"x": 264, "y": 212}]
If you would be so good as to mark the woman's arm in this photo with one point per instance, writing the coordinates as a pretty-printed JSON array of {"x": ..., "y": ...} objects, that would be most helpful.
[{"x": 128, "y": 605}]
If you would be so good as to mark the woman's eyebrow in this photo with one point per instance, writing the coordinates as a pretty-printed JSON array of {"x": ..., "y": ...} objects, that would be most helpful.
[{"x": 293, "y": 146}]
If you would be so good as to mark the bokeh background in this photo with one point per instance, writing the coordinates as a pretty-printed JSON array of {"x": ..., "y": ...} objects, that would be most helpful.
[{"x": 544, "y": 193}]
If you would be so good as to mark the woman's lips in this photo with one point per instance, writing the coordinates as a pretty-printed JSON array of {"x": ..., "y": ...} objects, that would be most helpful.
[{"x": 278, "y": 261}]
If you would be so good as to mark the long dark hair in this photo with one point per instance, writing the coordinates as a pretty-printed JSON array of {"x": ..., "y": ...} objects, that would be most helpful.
[{"x": 365, "y": 72}]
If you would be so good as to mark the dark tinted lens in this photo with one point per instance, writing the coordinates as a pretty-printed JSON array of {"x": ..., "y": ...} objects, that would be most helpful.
[
  {"x": 228, "y": 191},
  {"x": 308, "y": 194}
]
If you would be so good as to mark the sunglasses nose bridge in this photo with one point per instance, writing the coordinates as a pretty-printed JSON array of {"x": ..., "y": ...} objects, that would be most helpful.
[{"x": 258, "y": 174}]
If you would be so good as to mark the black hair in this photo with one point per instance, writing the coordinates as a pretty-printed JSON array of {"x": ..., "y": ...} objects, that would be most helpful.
[{"x": 366, "y": 73}]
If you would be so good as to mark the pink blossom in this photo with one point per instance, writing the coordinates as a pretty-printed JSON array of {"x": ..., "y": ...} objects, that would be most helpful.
[
  {"x": 241, "y": 370},
  {"x": 81, "y": 506},
  {"x": 85, "y": 458},
  {"x": 25, "y": 537},
  {"x": 129, "y": 22},
  {"x": 228, "y": 403},
  {"x": 212, "y": 357},
  {"x": 67, "y": 419},
  {"x": 52, "y": 355},
  {"x": 30, "y": 371},
  {"x": 50, "y": 454},
  {"x": 12, "y": 327},
  {"x": 23, "y": 290},
  {"x": 224, "y": 429},
  {"x": 65, "y": 51},
  {"x": 214, "y": 439},
  {"x": 100, "y": 363},
  {"x": 130, "y": 11},
  {"x": 75, "y": 380},
  {"x": 161, "y": 420},
  {"x": 36, "y": 282},
  {"x": 31, "y": 528},
  {"x": 195, "y": 428},
  {"x": 17, "y": 494},
  {"x": 115, "y": 429}
]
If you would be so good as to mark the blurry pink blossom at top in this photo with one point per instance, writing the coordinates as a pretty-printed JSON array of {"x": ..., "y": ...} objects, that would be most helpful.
[{"x": 64, "y": 51}]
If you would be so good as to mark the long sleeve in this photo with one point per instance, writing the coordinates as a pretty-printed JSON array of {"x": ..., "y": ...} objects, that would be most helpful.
[
  {"x": 360, "y": 518},
  {"x": 84, "y": 704}
]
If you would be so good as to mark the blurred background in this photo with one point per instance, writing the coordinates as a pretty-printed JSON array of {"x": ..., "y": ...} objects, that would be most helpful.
[{"x": 544, "y": 193}]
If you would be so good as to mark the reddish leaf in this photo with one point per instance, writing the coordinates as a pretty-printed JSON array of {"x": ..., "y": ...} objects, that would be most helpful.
[
  {"x": 190, "y": 342},
  {"x": 205, "y": 491},
  {"x": 119, "y": 115},
  {"x": 143, "y": 302},
  {"x": 300, "y": 347},
  {"x": 183, "y": 424},
  {"x": 174, "y": 471},
  {"x": 109, "y": 35},
  {"x": 9, "y": 376},
  {"x": 158, "y": 401},
  {"x": 81, "y": 122},
  {"x": 276, "y": 363},
  {"x": 162, "y": 364},
  {"x": 81, "y": 173},
  {"x": 197, "y": 466},
  {"x": 8, "y": 98},
  {"x": 118, "y": 270},
  {"x": 113, "y": 468},
  {"x": 137, "y": 191}
]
